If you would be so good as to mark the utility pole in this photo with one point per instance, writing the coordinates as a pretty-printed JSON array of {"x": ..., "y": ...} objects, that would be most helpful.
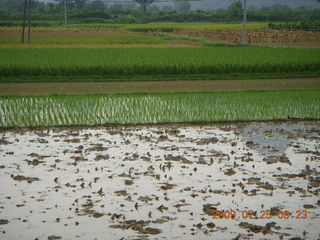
[
  {"x": 24, "y": 20},
  {"x": 29, "y": 22},
  {"x": 65, "y": 13},
  {"x": 244, "y": 31}
]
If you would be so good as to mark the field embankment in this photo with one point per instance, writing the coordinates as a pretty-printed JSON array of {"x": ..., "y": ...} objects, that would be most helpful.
[
  {"x": 254, "y": 36},
  {"x": 103, "y": 87}
]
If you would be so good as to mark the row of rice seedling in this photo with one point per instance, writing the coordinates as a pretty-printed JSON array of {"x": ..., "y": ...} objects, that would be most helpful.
[
  {"x": 155, "y": 61},
  {"x": 138, "y": 39},
  {"x": 169, "y": 27},
  {"x": 158, "y": 108}
]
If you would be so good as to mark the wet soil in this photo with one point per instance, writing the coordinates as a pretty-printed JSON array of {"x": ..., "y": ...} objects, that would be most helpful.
[
  {"x": 49, "y": 88},
  {"x": 160, "y": 182}
]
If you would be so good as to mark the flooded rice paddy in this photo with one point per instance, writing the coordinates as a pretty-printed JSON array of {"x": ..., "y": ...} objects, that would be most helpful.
[{"x": 161, "y": 182}]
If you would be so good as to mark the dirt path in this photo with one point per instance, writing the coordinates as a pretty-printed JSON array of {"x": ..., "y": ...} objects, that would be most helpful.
[{"x": 48, "y": 88}]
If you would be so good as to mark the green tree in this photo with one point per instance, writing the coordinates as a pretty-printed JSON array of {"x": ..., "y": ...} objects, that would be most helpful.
[
  {"x": 96, "y": 4},
  {"x": 235, "y": 11},
  {"x": 144, "y": 3},
  {"x": 80, "y": 4},
  {"x": 13, "y": 5}
]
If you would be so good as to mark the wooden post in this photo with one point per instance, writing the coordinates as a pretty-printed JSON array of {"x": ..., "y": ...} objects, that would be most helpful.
[
  {"x": 29, "y": 22},
  {"x": 24, "y": 21},
  {"x": 244, "y": 31}
]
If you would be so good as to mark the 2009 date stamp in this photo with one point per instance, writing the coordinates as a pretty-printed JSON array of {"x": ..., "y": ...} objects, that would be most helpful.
[{"x": 262, "y": 214}]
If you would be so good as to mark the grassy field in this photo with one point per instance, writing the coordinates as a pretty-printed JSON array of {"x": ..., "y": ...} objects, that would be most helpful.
[
  {"x": 70, "y": 40},
  {"x": 162, "y": 26},
  {"x": 155, "y": 61},
  {"x": 158, "y": 108}
]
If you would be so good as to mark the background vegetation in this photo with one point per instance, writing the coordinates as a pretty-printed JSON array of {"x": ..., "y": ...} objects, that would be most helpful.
[{"x": 81, "y": 11}]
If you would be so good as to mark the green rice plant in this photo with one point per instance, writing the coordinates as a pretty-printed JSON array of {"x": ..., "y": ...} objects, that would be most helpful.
[
  {"x": 155, "y": 61},
  {"x": 158, "y": 108},
  {"x": 203, "y": 41},
  {"x": 171, "y": 26},
  {"x": 138, "y": 39}
]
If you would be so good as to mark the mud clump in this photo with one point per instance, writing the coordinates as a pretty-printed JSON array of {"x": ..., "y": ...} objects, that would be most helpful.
[
  {"x": 167, "y": 186},
  {"x": 79, "y": 159},
  {"x": 23, "y": 178},
  {"x": 256, "y": 228},
  {"x": 149, "y": 230},
  {"x": 251, "y": 144},
  {"x": 178, "y": 158},
  {"x": 34, "y": 162},
  {"x": 209, "y": 209},
  {"x": 308, "y": 206},
  {"x": 128, "y": 182},
  {"x": 121, "y": 193},
  {"x": 230, "y": 172},
  {"x": 206, "y": 141},
  {"x": 97, "y": 215},
  {"x": 53, "y": 237},
  {"x": 276, "y": 159},
  {"x": 37, "y": 156},
  {"x": 97, "y": 148},
  {"x": 100, "y": 157},
  {"x": 3, "y": 221},
  {"x": 3, "y": 141},
  {"x": 138, "y": 226}
]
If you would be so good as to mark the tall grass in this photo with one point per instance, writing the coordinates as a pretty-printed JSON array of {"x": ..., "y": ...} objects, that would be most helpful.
[
  {"x": 155, "y": 61},
  {"x": 158, "y": 108}
]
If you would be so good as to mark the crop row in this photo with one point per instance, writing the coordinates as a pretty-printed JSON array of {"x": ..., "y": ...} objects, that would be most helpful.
[
  {"x": 153, "y": 61},
  {"x": 138, "y": 39},
  {"x": 158, "y": 108}
]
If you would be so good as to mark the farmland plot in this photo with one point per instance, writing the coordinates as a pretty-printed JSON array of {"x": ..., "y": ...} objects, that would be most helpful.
[
  {"x": 161, "y": 182},
  {"x": 112, "y": 62}
]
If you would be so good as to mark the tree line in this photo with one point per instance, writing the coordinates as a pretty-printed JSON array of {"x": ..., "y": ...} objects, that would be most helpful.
[{"x": 82, "y": 11}]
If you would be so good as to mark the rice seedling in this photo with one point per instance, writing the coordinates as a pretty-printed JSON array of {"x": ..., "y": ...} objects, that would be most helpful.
[
  {"x": 158, "y": 108},
  {"x": 156, "y": 61},
  {"x": 169, "y": 27},
  {"x": 134, "y": 39}
]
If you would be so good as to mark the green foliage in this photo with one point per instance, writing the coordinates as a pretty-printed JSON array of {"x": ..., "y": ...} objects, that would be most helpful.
[
  {"x": 158, "y": 108},
  {"x": 235, "y": 11},
  {"x": 81, "y": 10},
  {"x": 87, "y": 40},
  {"x": 156, "y": 61}
]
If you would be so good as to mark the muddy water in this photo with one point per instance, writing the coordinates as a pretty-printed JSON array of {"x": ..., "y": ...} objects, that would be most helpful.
[{"x": 161, "y": 182}]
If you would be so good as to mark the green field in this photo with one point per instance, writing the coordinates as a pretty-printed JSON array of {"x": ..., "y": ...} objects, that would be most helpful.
[
  {"x": 86, "y": 40},
  {"x": 158, "y": 108},
  {"x": 155, "y": 61},
  {"x": 162, "y": 26}
]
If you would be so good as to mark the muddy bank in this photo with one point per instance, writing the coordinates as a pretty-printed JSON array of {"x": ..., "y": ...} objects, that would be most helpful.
[
  {"x": 254, "y": 36},
  {"x": 49, "y": 88},
  {"x": 161, "y": 182}
]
